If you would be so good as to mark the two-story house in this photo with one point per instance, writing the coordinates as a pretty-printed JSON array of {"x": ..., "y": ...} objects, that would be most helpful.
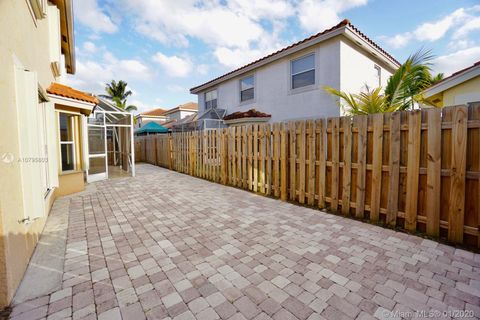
[
  {"x": 288, "y": 84},
  {"x": 155, "y": 115}
]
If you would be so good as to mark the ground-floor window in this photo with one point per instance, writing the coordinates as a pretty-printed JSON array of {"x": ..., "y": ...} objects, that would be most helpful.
[{"x": 67, "y": 123}]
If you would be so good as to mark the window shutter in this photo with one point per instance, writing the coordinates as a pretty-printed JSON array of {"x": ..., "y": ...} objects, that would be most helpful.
[
  {"x": 84, "y": 143},
  {"x": 29, "y": 143},
  {"x": 52, "y": 144}
]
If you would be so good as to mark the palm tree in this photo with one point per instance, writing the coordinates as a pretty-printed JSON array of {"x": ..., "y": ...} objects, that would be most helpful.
[
  {"x": 369, "y": 102},
  {"x": 402, "y": 92},
  {"x": 117, "y": 92}
]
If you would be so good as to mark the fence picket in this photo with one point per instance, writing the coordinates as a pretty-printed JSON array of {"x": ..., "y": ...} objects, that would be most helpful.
[
  {"x": 311, "y": 161},
  {"x": 335, "y": 124},
  {"x": 434, "y": 168},
  {"x": 457, "y": 188},
  {"x": 413, "y": 164},
  {"x": 394, "y": 167},
  {"x": 347, "y": 165},
  {"x": 376, "y": 167},
  {"x": 322, "y": 159},
  {"x": 293, "y": 158}
]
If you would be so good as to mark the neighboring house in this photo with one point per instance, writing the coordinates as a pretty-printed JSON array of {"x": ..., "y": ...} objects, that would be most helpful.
[
  {"x": 462, "y": 87},
  {"x": 36, "y": 45},
  {"x": 155, "y": 115},
  {"x": 169, "y": 118},
  {"x": 182, "y": 111},
  {"x": 288, "y": 84}
]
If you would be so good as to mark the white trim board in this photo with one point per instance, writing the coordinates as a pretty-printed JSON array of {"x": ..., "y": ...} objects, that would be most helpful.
[
  {"x": 71, "y": 102},
  {"x": 453, "y": 81}
]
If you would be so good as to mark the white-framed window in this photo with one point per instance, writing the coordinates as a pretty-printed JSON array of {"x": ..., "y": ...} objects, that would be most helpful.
[
  {"x": 67, "y": 141},
  {"x": 247, "y": 88},
  {"x": 211, "y": 99},
  {"x": 378, "y": 75},
  {"x": 303, "y": 71}
]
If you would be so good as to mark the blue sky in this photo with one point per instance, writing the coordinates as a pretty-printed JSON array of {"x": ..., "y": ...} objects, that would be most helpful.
[{"x": 163, "y": 47}]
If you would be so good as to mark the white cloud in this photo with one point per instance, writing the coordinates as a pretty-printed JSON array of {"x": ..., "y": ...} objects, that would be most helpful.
[
  {"x": 92, "y": 16},
  {"x": 91, "y": 74},
  {"x": 432, "y": 31},
  {"x": 176, "y": 88},
  {"x": 175, "y": 21},
  {"x": 237, "y": 57},
  {"x": 141, "y": 107},
  {"x": 175, "y": 66},
  {"x": 461, "y": 19},
  {"x": 455, "y": 61},
  {"x": 89, "y": 47},
  {"x": 262, "y": 9},
  {"x": 202, "y": 69},
  {"x": 467, "y": 27},
  {"x": 318, "y": 15}
]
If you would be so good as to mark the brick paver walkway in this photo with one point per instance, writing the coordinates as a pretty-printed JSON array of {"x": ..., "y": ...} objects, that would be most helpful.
[{"x": 165, "y": 245}]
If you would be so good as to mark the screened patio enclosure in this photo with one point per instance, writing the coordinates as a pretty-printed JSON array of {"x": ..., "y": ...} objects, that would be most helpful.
[{"x": 110, "y": 142}]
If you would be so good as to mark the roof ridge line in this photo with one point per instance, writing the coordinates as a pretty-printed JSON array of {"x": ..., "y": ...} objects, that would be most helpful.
[{"x": 343, "y": 23}]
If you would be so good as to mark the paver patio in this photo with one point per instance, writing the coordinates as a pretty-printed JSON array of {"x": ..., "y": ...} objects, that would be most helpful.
[{"x": 166, "y": 245}]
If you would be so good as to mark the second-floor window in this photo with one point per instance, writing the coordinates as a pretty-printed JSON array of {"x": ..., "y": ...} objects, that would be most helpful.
[
  {"x": 303, "y": 71},
  {"x": 246, "y": 89},
  {"x": 211, "y": 99}
]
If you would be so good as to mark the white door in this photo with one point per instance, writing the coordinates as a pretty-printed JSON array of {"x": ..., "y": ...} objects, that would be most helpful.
[{"x": 97, "y": 153}]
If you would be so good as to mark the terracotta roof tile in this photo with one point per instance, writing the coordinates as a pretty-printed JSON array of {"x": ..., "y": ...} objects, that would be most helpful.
[
  {"x": 189, "y": 106},
  {"x": 68, "y": 92},
  {"x": 343, "y": 23},
  {"x": 252, "y": 113},
  {"x": 155, "y": 112}
]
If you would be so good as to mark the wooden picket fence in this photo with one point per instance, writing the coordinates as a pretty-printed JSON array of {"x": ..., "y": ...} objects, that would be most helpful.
[{"x": 418, "y": 171}]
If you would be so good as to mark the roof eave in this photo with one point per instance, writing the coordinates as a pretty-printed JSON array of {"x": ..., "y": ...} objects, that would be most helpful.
[
  {"x": 268, "y": 60},
  {"x": 367, "y": 46},
  {"x": 345, "y": 30},
  {"x": 452, "y": 81},
  {"x": 67, "y": 33}
]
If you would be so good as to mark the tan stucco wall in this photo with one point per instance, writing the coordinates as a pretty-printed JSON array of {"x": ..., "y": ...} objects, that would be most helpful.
[
  {"x": 19, "y": 36},
  {"x": 70, "y": 183},
  {"x": 468, "y": 91}
]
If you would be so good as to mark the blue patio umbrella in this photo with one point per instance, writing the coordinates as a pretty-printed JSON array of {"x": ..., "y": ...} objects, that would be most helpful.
[{"x": 151, "y": 128}]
